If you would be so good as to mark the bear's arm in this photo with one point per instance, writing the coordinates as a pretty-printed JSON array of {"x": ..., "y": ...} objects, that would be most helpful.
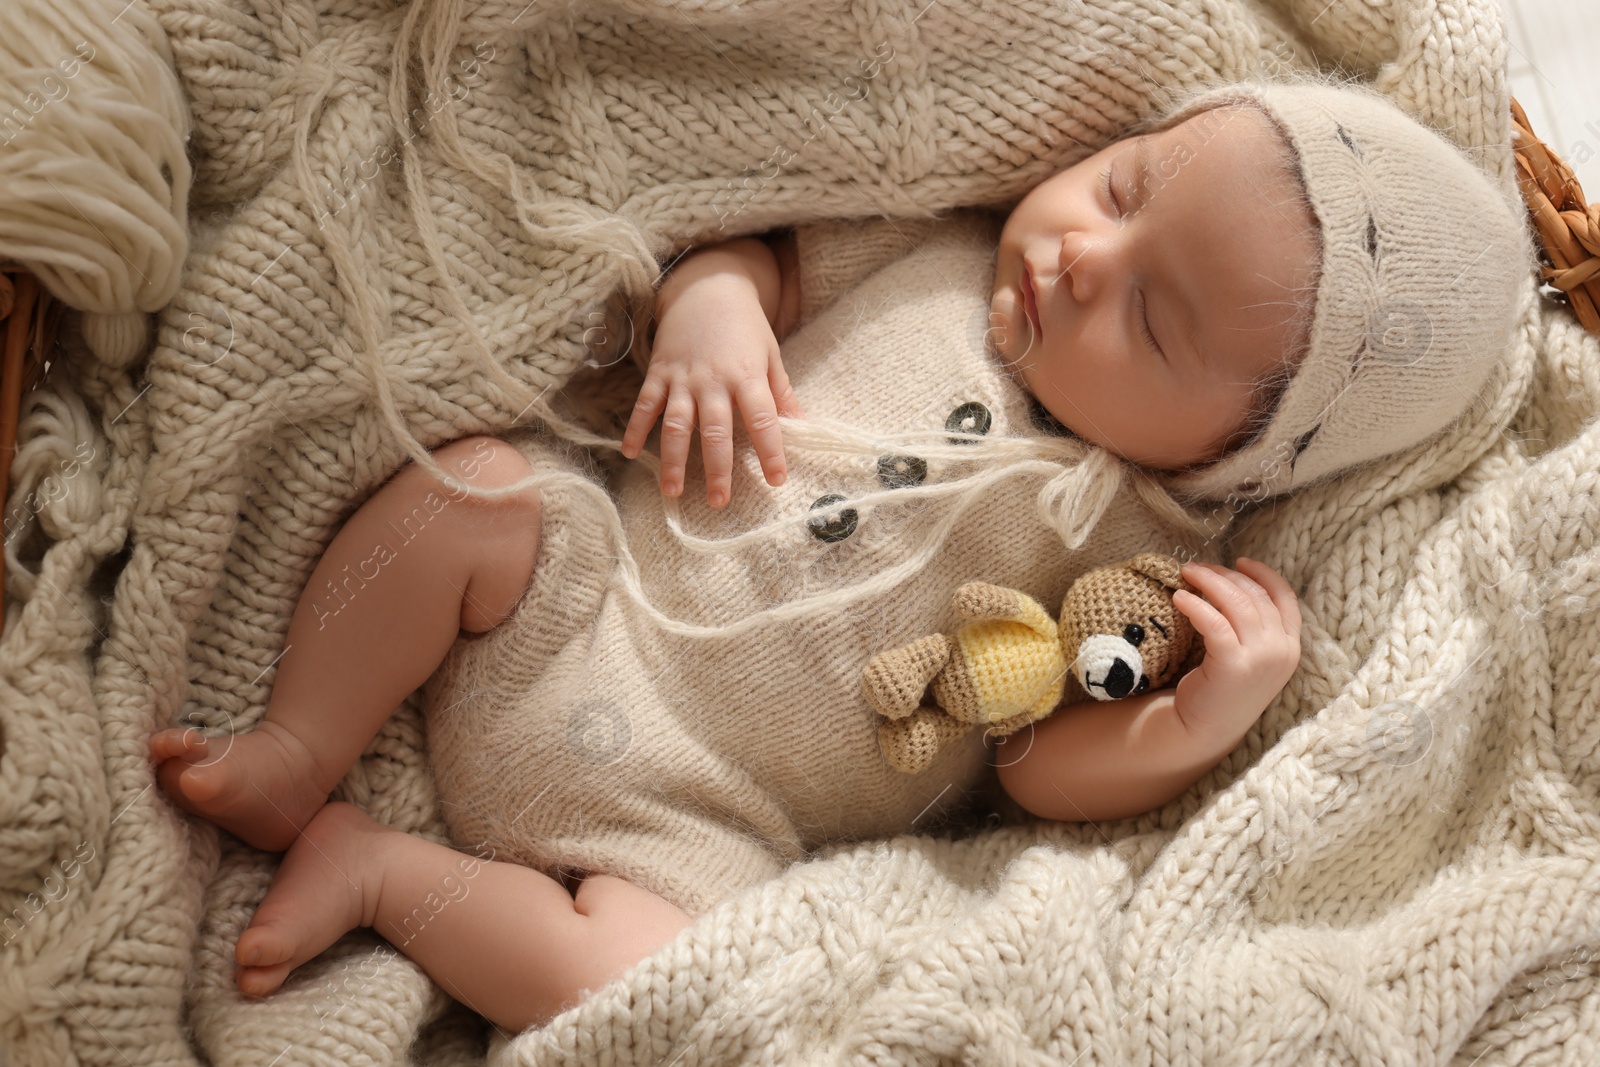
[{"x": 979, "y": 601}]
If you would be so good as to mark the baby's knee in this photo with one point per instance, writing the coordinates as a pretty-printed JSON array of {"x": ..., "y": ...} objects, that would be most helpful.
[
  {"x": 499, "y": 538},
  {"x": 485, "y": 463}
]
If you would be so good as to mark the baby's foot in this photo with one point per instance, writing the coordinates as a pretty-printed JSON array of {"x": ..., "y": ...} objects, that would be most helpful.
[
  {"x": 259, "y": 786},
  {"x": 321, "y": 890}
]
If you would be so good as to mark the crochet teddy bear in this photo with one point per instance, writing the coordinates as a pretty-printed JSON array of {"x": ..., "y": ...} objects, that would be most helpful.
[{"x": 1119, "y": 634}]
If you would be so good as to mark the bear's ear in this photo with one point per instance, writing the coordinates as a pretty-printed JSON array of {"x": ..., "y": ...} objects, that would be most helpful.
[{"x": 1160, "y": 566}]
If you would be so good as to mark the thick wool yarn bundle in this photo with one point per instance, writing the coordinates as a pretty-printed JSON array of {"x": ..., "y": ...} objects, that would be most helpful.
[
  {"x": 1397, "y": 865},
  {"x": 92, "y": 161}
]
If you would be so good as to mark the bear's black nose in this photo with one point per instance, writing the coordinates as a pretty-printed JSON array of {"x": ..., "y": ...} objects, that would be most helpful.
[{"x": 1119, "y": 680}]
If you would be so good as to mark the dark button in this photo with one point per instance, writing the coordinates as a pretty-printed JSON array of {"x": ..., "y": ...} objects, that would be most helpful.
[
  {"x": 970, "y": 418},
  {"x": 831, "y": 528},
  {"x": 901, "y": 472}
]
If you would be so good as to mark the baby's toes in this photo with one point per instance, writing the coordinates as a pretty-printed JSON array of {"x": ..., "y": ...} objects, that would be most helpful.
[
  {"x": 169, "y": 744},
  {"x": 266, "y": 953},
  {"x": 265, "y": 944},
  {"x": 259, "y": 981},
  {"x": 194, "y": 782},
  {"x": 319, "y": 893}
]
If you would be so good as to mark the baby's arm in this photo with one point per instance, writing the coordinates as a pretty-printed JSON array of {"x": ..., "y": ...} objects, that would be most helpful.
[
  {"x": 1113, "y": 759},
  {"x": 719, "y": 317},
  {"x": 1107, "y": 759}
]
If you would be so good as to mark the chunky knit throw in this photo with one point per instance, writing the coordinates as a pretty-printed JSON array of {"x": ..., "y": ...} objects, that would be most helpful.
[{"x": 1397, "y": 865}]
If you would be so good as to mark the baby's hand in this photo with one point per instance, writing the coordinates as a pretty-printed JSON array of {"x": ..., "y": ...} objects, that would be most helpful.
[
  {"x": 713, "y": 348},
  {"x": 1251, "y": 625}
]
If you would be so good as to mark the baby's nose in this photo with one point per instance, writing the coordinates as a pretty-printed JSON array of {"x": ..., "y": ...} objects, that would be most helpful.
[{"x": 1086, "y": 258}]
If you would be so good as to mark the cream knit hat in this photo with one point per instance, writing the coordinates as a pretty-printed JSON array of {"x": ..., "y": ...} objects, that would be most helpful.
[{"x": 1423, "y": 268}]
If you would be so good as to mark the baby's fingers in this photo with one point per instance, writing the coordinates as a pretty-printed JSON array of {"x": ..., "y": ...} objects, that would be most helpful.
[
  {"x": 1217, "y": 630},
  {"x": 1238, "y": 598},
  {"x": 652, "y": 398},
  {"x": 787, "y": 403},
  {"x": 716, "y": 446},
  {"x": 757, "y": 405},
  {"x": 1278, "y": 589},
  {"x": 677, "y": 426}
]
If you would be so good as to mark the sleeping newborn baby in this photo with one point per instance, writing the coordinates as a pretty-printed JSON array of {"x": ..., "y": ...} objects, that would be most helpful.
[{"x": 643, "y": 693}]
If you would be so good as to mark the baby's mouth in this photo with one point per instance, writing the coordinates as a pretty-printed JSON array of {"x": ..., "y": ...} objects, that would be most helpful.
[{"x": 1030, "y": 300}]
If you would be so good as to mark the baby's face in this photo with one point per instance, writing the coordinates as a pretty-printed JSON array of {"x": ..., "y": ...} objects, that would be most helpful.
[{"x": 1206, "y": 250}]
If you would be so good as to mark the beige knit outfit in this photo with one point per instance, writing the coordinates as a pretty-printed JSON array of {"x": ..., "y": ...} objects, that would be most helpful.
[{"x": 577, "y": 735}]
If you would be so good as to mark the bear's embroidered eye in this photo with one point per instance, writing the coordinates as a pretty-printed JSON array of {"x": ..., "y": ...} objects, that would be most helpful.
[{"x": 1134, "y": 634}]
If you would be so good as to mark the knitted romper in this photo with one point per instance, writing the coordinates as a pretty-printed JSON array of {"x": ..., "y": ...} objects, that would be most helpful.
[{"x": 579, "y": 736}]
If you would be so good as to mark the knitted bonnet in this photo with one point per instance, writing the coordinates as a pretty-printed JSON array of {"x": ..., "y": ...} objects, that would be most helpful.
[{"x": 1423, "y": 266}]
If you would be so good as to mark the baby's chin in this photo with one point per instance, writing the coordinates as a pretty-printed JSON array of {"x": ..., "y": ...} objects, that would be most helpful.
[{"x": 1009, "y": 332}]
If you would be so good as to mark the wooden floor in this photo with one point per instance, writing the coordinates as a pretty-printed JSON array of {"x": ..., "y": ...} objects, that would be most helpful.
[{"x": 1555, "y": 76}]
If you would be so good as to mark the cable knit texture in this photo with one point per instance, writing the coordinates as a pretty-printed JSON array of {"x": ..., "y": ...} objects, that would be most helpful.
[{"x": 1398, "y": 864}]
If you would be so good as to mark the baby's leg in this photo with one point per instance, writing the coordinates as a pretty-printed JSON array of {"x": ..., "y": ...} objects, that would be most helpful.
[
  {"x": 410, "y": 569},
  {"x": 505, "y": 940}
]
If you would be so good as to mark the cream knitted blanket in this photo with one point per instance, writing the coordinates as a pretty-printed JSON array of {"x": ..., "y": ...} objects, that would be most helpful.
[{"x": 1398, "y": 865}]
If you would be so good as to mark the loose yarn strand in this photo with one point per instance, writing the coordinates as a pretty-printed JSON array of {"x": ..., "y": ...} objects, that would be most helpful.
[
  {"x": 1073, "y": 502},
  {"x": 598, "y": 237}
]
